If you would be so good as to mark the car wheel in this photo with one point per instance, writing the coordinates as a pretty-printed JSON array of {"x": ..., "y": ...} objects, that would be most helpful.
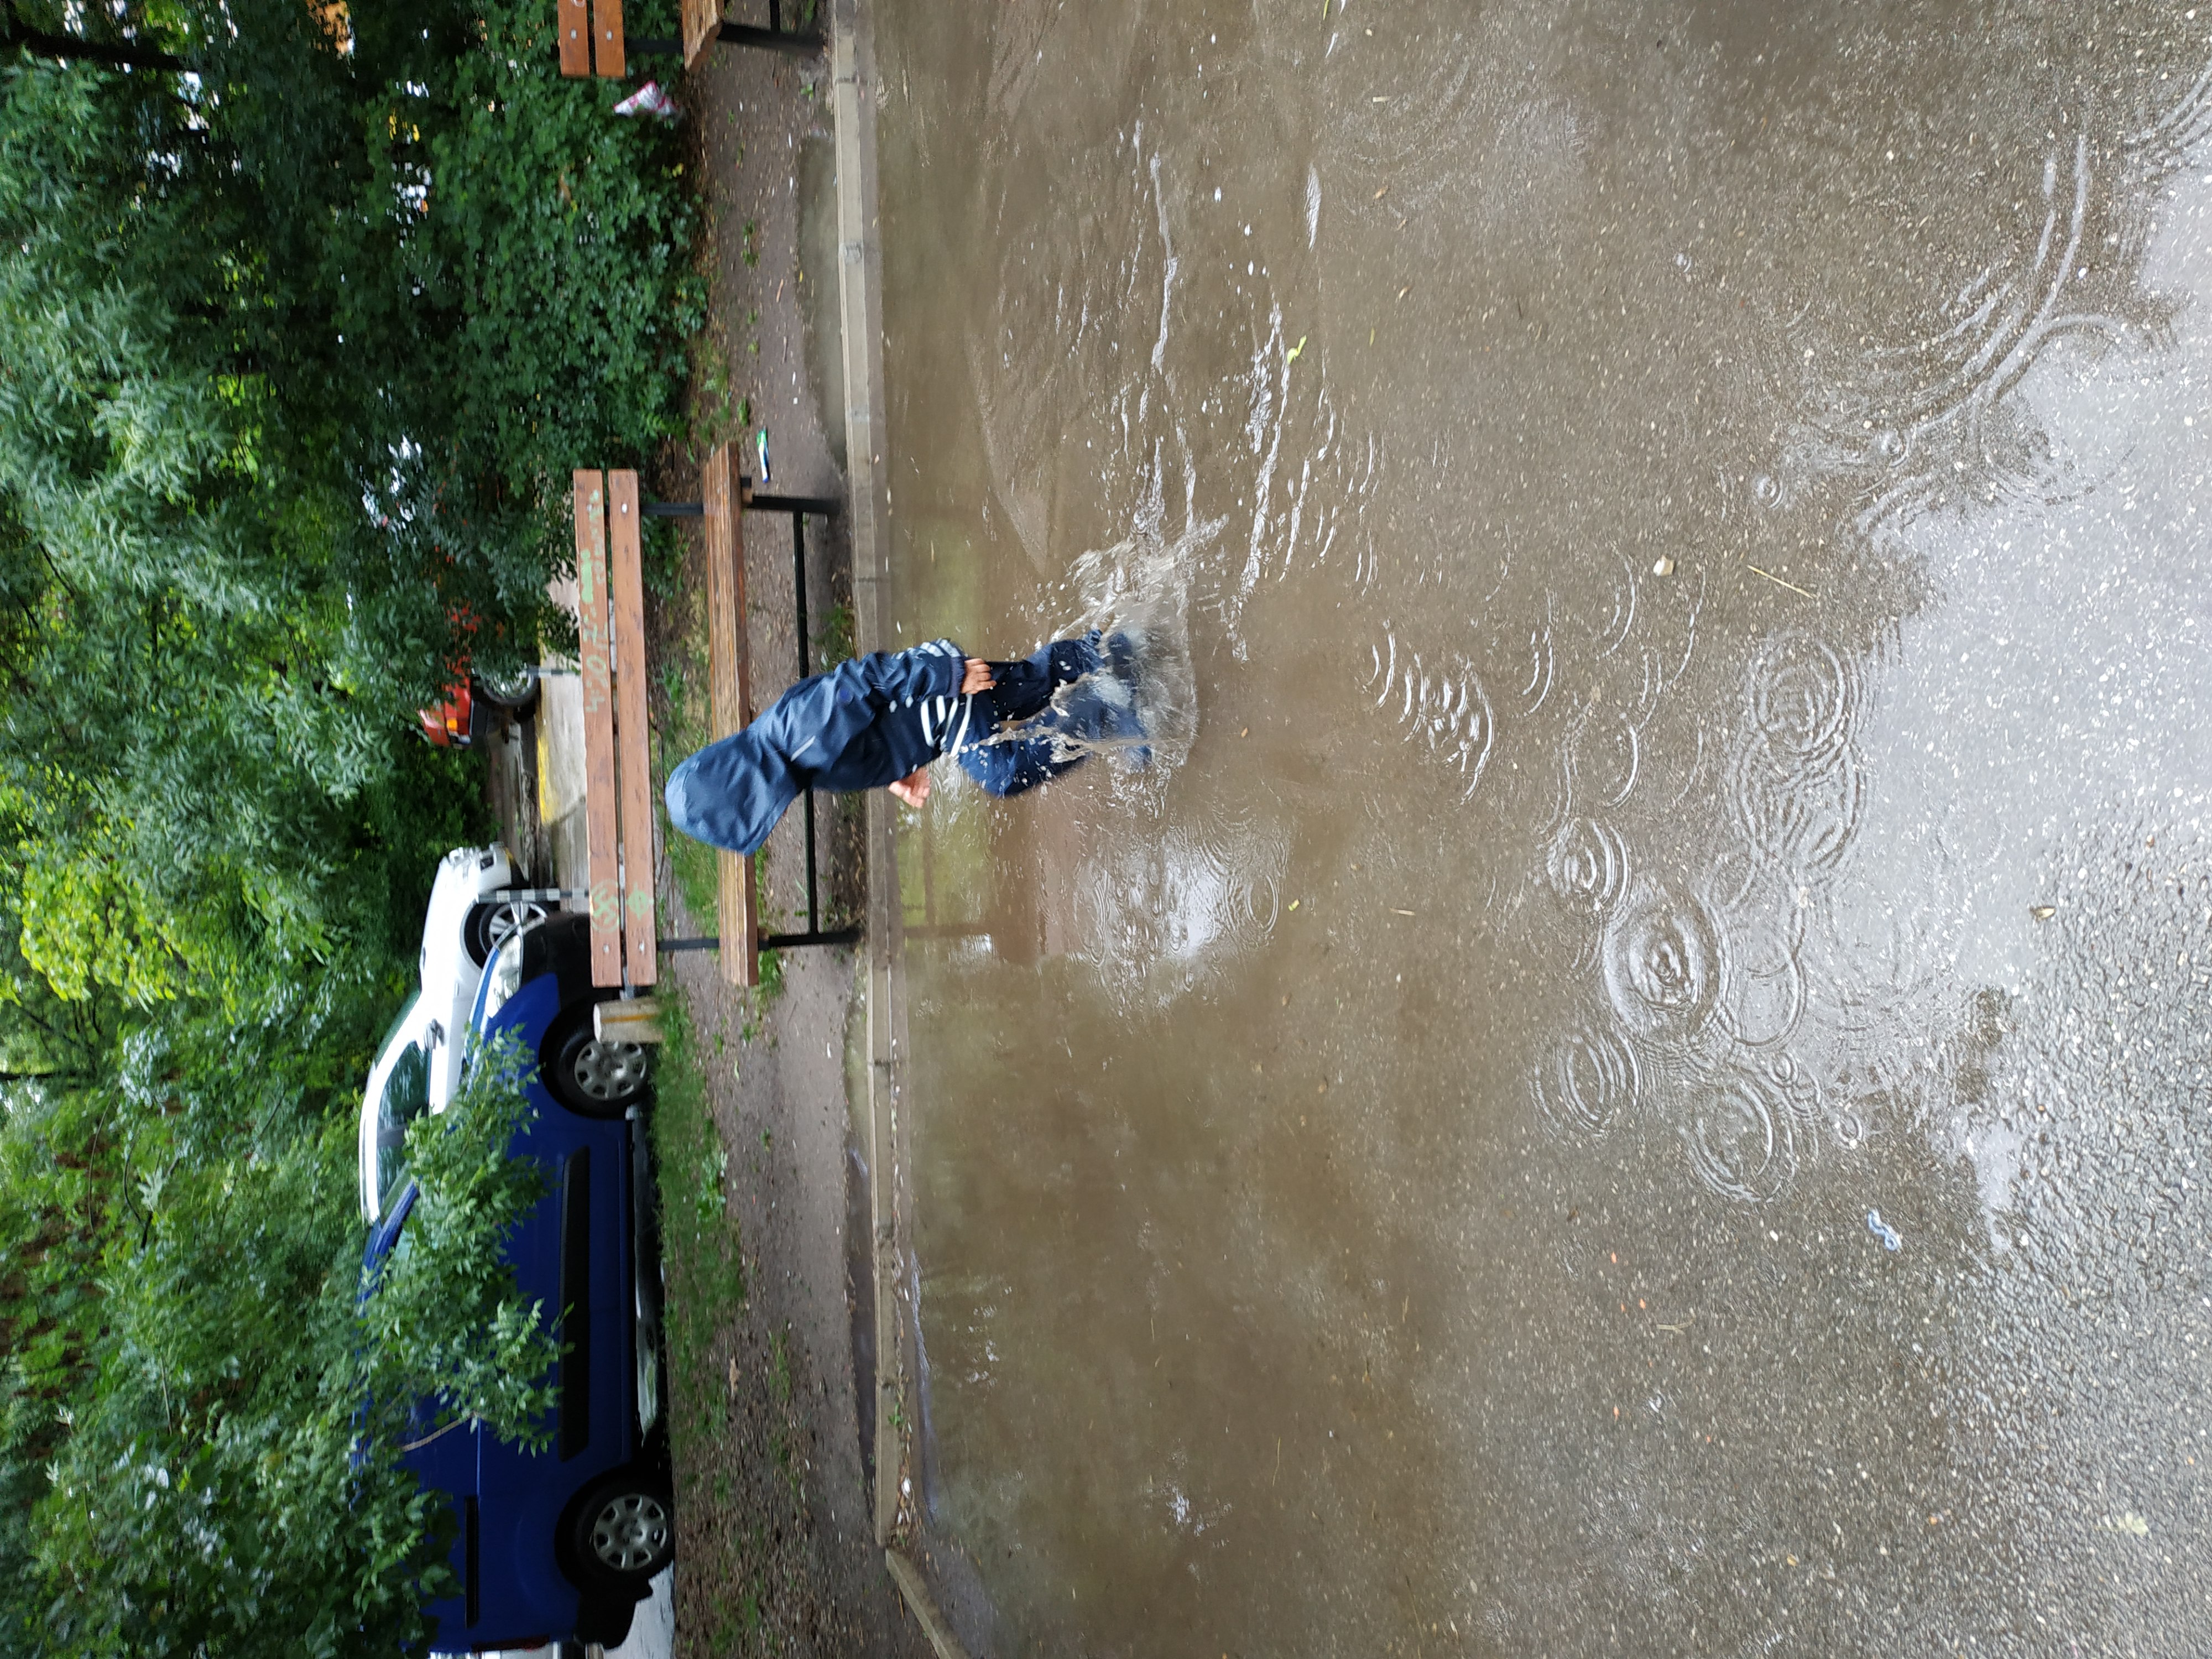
[
  {"x": 516, "y": 692},
  {"x": 494, "y": 922},
  {"x": 590, "y": 1075},
  {"x": 622, "y": 1532}
]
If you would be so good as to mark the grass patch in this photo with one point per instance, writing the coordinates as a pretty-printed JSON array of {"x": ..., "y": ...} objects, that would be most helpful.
[
  {"x": 683, "y": 731},
  {"x": 699, "y": 1237}
]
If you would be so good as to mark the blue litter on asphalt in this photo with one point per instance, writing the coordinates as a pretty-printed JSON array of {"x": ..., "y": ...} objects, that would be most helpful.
[{"x": 1890, "y": 1237}]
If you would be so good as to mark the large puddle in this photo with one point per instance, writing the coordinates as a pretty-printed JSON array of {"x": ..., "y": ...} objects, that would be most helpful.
[{"x": 1640, "y": 1088}]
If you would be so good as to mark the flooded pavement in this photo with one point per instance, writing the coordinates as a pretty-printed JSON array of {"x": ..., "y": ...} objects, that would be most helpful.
[{"x": 1641, "y": 1087}]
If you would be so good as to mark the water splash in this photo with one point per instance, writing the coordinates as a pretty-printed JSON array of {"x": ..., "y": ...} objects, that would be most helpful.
[
  {"x": 1157, "y": 916},
  {"x": 1140, "y": 589}
]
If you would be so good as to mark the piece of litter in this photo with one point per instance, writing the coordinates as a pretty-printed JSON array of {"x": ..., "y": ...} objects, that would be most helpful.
[
  {"x": 1400, "y": 913},
  {"x": 1294, "y": 904},
  {"x": 1890, "y": 1237},
  {"x": 1779, "y": 582},
  {"x": 1381, "y": 193},
  {"x": 1665, "y": 567},
  {"x": 2130, "y": 1523},
  {"x": 2043, "y": 912},
  {"x": 649, "y": 99},
  {"x": 763, "y": 449},
  {"x": 1291, "y": 356},
  {"x": 1404, "y": 291}
]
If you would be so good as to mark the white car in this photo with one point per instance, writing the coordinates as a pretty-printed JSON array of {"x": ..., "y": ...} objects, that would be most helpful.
[{"x": 418, "y": 1064}]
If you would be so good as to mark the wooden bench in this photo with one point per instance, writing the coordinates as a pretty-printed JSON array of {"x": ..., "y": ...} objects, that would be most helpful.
[
  {"x": 593, "y": 40},
  {"x": 617, "y": 745},
  {"x": 618, "y": 816}
]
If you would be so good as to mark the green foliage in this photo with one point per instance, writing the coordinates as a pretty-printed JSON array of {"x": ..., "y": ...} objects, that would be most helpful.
[
  {"x": 208, "y": 1444},
  {"x": 297, "y": 347},
  {"x": 443, "y": 1320},
  {"x": 699, "y": 1237},
  {"x": 562, "y": 238},
  {"x": 295, "y": 361}
]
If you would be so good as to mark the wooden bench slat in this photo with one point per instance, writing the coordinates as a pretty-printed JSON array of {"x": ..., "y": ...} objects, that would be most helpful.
[
  {"x": 571, "y": 22},
  {"x": 702, "y": 26},
  {"x": 607, "y": 44},
  {"x": 592, "y": 640},
  {"x": 633, "y": 739},
  {"x": 737, "y": 909}
]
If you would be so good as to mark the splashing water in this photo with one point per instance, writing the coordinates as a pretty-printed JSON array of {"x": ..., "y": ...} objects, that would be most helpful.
[{"x": 1140, "y": 709}]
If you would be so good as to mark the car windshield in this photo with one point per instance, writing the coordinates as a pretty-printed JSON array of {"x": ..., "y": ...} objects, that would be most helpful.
[{"x": 406, "y": 1097}]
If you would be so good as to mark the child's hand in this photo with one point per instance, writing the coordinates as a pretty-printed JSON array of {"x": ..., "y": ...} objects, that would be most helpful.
[
  {"x": 977, "y": 678},
  {"x": 913, "y": 787}
]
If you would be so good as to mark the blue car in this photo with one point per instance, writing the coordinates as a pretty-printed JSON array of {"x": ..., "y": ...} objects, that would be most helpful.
[{"x": 561, "y": 1543}]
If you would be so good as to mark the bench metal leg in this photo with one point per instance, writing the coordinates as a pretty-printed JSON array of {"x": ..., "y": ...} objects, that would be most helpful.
[
  {"x": 726, "y": 485},
  {"x": 775, "y": 941},
  {"x": 797, "y": 45},
  {"x": 798, "y": 601}
]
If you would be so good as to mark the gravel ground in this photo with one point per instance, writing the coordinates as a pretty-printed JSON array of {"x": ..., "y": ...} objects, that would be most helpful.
[{"x": 764, "y": 1184}]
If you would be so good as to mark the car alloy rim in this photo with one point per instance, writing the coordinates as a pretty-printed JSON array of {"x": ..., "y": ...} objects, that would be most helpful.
[
  {"x": 629, "y": 1533},
  {"x": 608, "y": 1071},
  {"x": 510, "y": 688},
  {"x": 508, "y": 920}
]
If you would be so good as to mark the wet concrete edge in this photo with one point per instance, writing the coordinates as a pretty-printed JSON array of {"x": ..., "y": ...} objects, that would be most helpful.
[{"x": 859, "y": 272}]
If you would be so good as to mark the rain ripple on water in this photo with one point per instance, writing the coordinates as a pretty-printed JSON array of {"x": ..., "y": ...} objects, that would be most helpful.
[
  {"x": 1795, "y": 787},
  {"x": 1663, "y": 965},
  {"x": 1740, "y": 1138},
  {"x": 1588, "y": 1085},
  {"x": 1445, "y": 706}
]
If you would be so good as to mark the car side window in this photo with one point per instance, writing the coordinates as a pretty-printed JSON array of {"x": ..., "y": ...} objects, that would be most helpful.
[{"x": 406, "y": 1098}]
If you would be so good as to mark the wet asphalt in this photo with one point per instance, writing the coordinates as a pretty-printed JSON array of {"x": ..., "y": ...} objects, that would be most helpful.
[{"x": 1633, "y": 1081}]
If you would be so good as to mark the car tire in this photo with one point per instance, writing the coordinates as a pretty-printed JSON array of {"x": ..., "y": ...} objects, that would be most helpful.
[
  {"x": 619, "y": 1532},
  {"x": 588, "y": 1075},
  {"x": 601, "y": 1622},
  {"x": 493, "y": 922}
]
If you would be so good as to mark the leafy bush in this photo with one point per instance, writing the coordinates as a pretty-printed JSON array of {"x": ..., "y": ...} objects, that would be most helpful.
[{"x": 228, "y": 1479}]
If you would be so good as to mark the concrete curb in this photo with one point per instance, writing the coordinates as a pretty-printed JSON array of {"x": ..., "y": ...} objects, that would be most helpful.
[
  {"x": 908, "y": 1577},
  {"x": 860, "y": 276}
]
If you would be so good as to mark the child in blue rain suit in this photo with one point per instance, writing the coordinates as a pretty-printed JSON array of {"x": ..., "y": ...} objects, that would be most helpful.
[{"x": 878, "y": 721}]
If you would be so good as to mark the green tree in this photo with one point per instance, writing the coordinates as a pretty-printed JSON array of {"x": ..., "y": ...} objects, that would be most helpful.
[{"x": 304, "y": 318}]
